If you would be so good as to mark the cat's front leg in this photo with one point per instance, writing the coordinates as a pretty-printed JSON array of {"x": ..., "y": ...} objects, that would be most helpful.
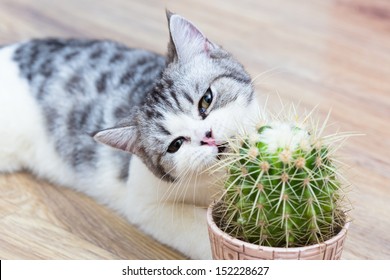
[
  {"x": 180, "y": 226},
  {"x": 156, "y": 208}
]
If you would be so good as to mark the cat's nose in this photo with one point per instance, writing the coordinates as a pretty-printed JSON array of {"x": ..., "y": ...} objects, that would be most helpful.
[{"x": 208, "y": 139}]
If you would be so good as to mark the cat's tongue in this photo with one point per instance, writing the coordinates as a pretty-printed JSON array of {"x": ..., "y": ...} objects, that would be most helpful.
[{"x": 209, "y": 141}]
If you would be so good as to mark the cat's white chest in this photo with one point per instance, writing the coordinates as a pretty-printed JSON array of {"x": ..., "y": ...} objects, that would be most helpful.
[{"x": 195, "y": 189}]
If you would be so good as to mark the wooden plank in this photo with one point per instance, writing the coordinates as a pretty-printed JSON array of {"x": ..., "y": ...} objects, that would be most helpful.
[{"x": 38, "y": 220}]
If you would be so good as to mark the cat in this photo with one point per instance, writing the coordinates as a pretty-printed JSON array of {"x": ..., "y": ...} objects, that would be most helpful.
[{"x": 131, "y": 128}]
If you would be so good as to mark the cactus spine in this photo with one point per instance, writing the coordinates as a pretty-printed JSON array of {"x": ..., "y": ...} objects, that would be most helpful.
[{"x": 283, "y": 188}]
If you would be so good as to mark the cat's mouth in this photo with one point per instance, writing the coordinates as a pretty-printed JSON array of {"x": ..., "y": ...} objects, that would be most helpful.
[
  {"x": 209, "y": 140},
  {"x": 222, "y": 148}
]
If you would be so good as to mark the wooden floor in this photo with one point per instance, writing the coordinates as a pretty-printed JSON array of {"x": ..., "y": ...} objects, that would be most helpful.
[{"x": 334, "y": 54}]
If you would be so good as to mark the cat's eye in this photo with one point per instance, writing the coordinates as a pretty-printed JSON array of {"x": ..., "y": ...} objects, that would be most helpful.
[
  {"x": 205, "y": 102},
  {"x": 175, "y": 145}
]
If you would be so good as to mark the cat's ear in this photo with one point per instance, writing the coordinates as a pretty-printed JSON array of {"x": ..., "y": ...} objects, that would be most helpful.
[
  {"x": 123, "y": 137},
  {"x": 186, "y": 41}
]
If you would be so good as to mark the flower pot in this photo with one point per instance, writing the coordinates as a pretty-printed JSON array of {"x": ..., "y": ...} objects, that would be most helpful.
[{"x": 226, "y": 247}]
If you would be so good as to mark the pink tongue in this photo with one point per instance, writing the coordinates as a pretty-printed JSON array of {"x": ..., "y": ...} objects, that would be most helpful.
[{"x": 209, "y": 141}]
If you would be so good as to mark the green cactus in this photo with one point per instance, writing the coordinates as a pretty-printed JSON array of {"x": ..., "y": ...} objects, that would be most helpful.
[{"x": 283, "y": 188}]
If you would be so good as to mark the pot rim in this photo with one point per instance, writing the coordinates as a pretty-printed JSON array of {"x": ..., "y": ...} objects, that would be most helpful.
[{"x": 239, "y": 243}]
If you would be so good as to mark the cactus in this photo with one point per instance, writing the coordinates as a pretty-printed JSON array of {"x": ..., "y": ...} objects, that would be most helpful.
[{"x": 283, "y": 188}]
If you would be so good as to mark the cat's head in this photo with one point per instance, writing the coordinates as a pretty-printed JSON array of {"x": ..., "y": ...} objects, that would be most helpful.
[{"x": 204, "y": 97}]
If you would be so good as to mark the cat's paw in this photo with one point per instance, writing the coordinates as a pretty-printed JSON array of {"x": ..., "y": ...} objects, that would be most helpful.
[{"x": 203, "y": 252}]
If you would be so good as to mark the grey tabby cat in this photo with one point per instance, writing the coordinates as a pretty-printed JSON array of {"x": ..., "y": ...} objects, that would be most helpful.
[{"x": 167, "y": 119}]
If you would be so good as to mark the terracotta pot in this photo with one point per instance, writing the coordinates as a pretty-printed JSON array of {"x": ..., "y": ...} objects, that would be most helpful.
[{"x": 226, "y": 247}]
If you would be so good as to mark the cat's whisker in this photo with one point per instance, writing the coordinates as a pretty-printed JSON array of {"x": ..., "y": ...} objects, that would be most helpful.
[
  {"x": 183, "y": 184},
  {"x": 271, "y": 72},
  {"x": 187, "y": 187},
  {"x": 265, "y": 73},
  {"x": 165, "y": 198}
]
